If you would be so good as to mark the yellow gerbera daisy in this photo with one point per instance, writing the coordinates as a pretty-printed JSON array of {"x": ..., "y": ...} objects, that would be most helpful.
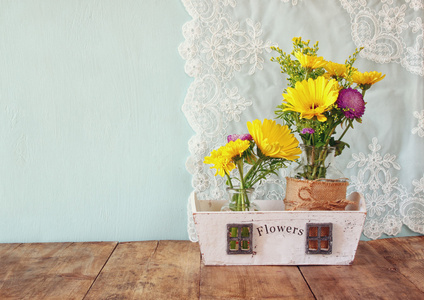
[
  {"x": 310, "y": 62},
  {"x": 222, "y": 163},
  {"x": 367, "y": 78},
  {"x": 235, "y": 148},
  {"x": 335, "y": 69},
  {"x": 311, "y": 98},
  {"x": 274, "y": 140}
]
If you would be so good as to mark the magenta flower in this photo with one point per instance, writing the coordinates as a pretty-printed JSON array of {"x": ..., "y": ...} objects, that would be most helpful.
[
  {"x": 351, "y": 102},
  {"x": 243, "y": 137},
  {"x": 308, "y": 130}
]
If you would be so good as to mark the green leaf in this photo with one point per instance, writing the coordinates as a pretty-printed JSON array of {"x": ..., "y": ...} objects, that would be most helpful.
[
  {"x": 339, "y": 145},
  {"x": 319, "y": 144}
]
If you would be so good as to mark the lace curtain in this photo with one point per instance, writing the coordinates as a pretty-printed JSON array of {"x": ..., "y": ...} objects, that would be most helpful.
[{"x": 227, "y": 52}]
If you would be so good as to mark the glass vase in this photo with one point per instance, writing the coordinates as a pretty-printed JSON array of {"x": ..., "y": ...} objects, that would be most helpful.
[
  {"x": 316, "y": 184},
  {"x": 240, "y": 200},
  {"x": 317, "y": 163}
]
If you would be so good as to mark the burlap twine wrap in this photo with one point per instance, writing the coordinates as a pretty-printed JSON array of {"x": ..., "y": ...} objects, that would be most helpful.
[{"x": 315, "y": 194}]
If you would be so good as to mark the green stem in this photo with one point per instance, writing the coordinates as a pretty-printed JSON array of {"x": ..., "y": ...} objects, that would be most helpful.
[
  {"x": 240, "y": 169},
  {"x": 241, "y": 201},
  {"x": 229, "y": 180},
  {"x": 321, "y": 158},
  {"x": 344, "y": 132},
  {"x": 328, "y": 136},
  {"x": 252, "y": 171},
  {"x": 263, "y": 175}
]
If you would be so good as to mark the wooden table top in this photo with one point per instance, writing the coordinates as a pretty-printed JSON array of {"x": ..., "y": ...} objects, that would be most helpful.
[{"x": 383, "y": 269}]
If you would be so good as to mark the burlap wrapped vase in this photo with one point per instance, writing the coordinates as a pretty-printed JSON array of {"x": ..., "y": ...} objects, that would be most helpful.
[{"x": 320, "y": 194}]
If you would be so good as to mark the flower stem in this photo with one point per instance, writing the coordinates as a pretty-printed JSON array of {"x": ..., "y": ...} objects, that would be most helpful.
[
  {"x": 344, "y": 132},
  {"x": 229, "y": 180},
  {"x": 252, "y": 171},
  {"x": 241, "y": 197},
  {"x": 308, "y": 70},
  {"x": 320, "y": 163}
]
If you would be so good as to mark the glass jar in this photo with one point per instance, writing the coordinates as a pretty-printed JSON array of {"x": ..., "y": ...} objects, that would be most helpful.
[
  {"x": 316, "y": 184},
  {"x": 240, "y": 200},
  {"x": 316, "y": 163}
]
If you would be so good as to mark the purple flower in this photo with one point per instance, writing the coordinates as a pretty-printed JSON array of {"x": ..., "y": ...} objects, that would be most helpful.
[
  {"x": 308, "y": 130},
  {"x": 243, "y": 137},
  {"x": 351, "y": 102}
]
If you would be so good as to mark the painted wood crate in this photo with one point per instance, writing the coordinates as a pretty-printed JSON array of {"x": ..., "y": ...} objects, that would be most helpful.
[{"x": 278, "y": 237}]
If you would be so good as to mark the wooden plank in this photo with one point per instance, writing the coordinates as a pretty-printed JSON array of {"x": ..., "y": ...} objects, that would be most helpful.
[
  {"x": 8, "y": 247},
  {"x": 388, "y": 269},
  {"x": 253, "y": 282},
  {"x": 174, "y": 272},
  {"x": 370, "y": 277},
  {"x": 5, "y": 265},
  {"x": 406, "y": 255},
  {"x": 51, "y": 270},
  {"x": 150, "y": 270},
  {"x": 122, "y": 277}
]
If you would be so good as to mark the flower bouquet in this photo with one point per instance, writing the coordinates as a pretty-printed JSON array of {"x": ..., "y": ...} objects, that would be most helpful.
[
  {"x": 249, "y": 158},
  {"x": 321, "y": 97},
  {"x": 263, "y": 151}
]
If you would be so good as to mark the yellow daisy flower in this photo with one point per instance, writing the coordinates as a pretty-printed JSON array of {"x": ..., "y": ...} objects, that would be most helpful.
[
  {"x": 222, "y": 163},
  {"x": 235, "y": 148},
  {"x": 311, "y": 98},
  {"x": 310, "y": 62},
  {"x": 367, "y": 78},
  {"x": 335, "y": 69},
  {"x": 274, "y": 140}
]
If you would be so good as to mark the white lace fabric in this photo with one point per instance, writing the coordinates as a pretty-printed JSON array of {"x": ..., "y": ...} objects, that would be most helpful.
[{"x": 227, "y": 52}]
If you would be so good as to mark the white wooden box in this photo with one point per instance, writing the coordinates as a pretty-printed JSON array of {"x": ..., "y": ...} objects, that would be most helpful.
[{"x": 278, "y": 237}]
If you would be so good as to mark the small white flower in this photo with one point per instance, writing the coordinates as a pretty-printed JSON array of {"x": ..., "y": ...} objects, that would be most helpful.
[
  {"x": 420, "y": 127},
  {"x": 393, "y": 18},
  {"x": 193, "y": 67},
  {"x": 419, "y": 185},
  {"x": 375, "y": 204},
  {"x": 392, "y": 225},
  {"x": 373, "y": 229},
  {"x": 201, "y": 182},
  {"x": 415, "y": 4},
  {"x": 417, "y": 25}
]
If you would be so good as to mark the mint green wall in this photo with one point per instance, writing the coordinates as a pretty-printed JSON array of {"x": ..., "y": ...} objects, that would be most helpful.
[{"x": 93, "y": 142}]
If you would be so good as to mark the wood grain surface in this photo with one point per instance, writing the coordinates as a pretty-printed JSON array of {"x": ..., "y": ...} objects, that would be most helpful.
[
  {"x": 51, "y": 270},
  {"x": 150, "y": 270},
  {"x": 383, "y": 269}
]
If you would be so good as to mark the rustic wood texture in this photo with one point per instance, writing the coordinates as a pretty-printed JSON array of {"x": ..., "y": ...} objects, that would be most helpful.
[
  {"x": 383, "y": 269},
  {"x": 51, "y": 270},
  {"x": 150, "y": 270},
  {"x": 370, "y": 277},
  {"x": 406, "y": 255},
  {"x": 253, "y": 282},
  {"x": 123, "y": 277}
]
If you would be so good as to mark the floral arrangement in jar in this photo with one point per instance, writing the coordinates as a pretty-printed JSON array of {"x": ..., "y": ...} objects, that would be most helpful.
[
  {"x": 321, "y": 97},
  {"x": 247, "y": 159}
]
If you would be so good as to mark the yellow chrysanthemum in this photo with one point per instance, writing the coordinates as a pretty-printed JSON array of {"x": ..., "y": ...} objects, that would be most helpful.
[
  {"x": 367, "y": 78},
  {"x": 311, "y": 98},
  {"x": 310, "y": 62},
  {"x": 235, "y": 148},
  {"x": 274, "y": 140},
  {"x": 335, "y": 69},
  {"x": 221, "y": 162}
]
